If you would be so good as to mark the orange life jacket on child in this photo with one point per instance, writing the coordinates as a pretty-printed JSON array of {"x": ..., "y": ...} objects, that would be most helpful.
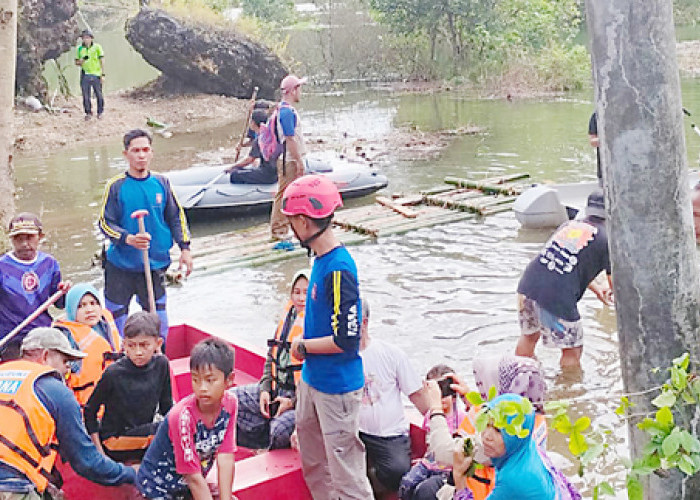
[
  {"x": 485, "y": 478},
  {"x": 292, "y": 332},
  {"x": 95, "y": 346},
  {"x": 28, "y": 430}
]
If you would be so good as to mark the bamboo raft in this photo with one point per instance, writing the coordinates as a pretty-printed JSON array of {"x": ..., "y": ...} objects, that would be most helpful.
[{"x": 460, "y": 199}]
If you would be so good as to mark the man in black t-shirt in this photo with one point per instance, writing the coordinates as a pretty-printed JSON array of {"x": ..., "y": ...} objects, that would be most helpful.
[
  {"x": 266, "y": 171},
  {"x": 555, "y": 281}
]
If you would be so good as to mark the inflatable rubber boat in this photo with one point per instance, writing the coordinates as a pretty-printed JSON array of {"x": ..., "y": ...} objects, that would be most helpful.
[{"x": 352, "y": 179}]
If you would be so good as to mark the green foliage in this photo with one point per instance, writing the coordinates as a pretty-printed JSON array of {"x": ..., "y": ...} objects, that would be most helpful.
[
  {"x": 528, "y": 42},
  {"x": 670, "y": 442},
  {"x": 273, "y": 11}
]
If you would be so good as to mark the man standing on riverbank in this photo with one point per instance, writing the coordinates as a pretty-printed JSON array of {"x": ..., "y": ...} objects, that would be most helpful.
[
  {"x": 555, "y": 280},
  {"x": 137, "y": 189},
  {"x": 90, "y": 58},
  {"x": 290, "y": 163}
]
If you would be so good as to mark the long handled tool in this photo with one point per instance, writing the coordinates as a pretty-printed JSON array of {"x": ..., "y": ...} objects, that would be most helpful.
[
  {"x": 195, "y": 198},
  {"x": 40, "y": 310},
  {"x": 139, "y": 215}
]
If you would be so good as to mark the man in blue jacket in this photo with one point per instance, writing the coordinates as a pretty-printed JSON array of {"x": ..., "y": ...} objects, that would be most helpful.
[{"x": 136, "y": 189}]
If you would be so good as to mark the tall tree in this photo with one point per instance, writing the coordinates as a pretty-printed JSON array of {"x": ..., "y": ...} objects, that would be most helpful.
[
  {"x": 8, "y": 50},
  {"x": 640, "y": 126}
]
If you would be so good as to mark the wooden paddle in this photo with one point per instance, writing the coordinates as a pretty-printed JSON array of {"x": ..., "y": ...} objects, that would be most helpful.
[
  {"x": 39, "y": 310},
  {"x": 139, "y": 215},
  {"x": 199, "y": 194}
]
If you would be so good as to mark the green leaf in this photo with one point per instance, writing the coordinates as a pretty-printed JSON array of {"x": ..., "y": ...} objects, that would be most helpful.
[
  {"x": 605, "y": 488},
  {"x": 582, "y": 424},
  {"x": 475, "y": 398},
  {"x": 664, "y": 417},
  {"x": 671, "y": 443},
  {"x": 493, "y": 392},
  {"x": 689, "y": 442},
  {"x": 635, "y": 491},
  {"x": 666, "y": 398},
  {"x": 553, "y": 407},
  {"x": 481, "y": 421},
  {"x": 682, "y": 361},
  {"x": 679, "y": 378},
  {"x": 563, "y": 424},
  {"x": 686, "y": 465},
  {"x": 577, "y": 443},
  {"x": 593, "y": 452}
]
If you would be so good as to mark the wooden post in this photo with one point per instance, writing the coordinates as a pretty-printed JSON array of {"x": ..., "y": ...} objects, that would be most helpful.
[
  {"x": 655, "y": 276},
  {"x": 8, "y": 55}
]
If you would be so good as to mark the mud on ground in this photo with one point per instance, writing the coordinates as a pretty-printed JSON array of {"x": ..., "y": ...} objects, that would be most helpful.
[{"x": 41, "y": 132}]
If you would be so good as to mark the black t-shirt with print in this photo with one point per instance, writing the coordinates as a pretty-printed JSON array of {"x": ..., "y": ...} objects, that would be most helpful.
[{"x": 557, "y": 278}]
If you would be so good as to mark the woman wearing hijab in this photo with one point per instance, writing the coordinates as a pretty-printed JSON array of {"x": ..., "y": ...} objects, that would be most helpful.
[
  {"x": 523, "y": 471},
  {"x": 90, "y": 328},
  {"x": 508, "y": 374}
]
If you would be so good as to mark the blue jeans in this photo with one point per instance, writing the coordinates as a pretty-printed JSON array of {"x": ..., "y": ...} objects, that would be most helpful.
[{"x": 88, "y": 82}]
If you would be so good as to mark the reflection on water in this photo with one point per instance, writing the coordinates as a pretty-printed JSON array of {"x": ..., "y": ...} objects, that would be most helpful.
[{"x": 444, "y": 294}]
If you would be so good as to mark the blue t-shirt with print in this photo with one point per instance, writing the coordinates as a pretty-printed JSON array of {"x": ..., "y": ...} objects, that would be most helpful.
[
  {"x": 333, "y": 309},
  {"x": 288, "y": 119}
]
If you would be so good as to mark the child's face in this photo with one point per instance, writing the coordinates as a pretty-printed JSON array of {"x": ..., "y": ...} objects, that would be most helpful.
[
  {"x": 209, "y": 385},
  {"x": 299, "y": 293},
  {"x": 447, "y": 404},
  {"x": 89, "y": 310},
  {"x": 25, "y": 246},
  {"x": 141, "y": 348}
]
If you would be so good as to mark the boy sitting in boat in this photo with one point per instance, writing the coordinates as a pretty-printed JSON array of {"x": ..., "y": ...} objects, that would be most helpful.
[
  {"x": 28, "y": 278},
  {"x": 266, "y": 415},
  {"x": 199, "y": 431},
  {"x": 266, "y": 171},
  {"x": 90, "y": 327},
  {"x": 132, "y": 391}
]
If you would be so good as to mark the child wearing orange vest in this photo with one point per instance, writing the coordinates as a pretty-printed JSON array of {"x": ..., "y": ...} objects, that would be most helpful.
[
  {"x": 266, "y": 416},
  {"x": 90, "y": 328}
]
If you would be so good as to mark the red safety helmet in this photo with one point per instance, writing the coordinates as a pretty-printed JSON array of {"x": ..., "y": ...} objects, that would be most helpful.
[{"x": 312, "y": 195}]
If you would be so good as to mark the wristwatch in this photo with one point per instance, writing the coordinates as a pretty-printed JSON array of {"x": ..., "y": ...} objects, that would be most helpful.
[{"x": 302, "y": 348}]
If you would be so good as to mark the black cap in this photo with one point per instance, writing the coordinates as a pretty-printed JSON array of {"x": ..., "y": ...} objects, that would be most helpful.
[
  {"x": 595, "y": 206},
  {"x": 259, "y": 116},
  {"x": 87, "y": 33}
]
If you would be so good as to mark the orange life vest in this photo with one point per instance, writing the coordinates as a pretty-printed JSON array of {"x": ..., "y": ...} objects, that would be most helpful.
[
  {"x": 95, "y": 346},
  {"x": 485, "y": 478},
  {"x": 285, "y": 334},
  {"x": 28, "y": 429}
]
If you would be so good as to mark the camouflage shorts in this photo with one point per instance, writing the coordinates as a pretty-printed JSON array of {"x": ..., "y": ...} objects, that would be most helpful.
[{"x": 556, "y": 332}]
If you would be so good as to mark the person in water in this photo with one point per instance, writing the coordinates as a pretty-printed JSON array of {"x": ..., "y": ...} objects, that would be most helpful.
[
  {"x": 523, "y": 471},
  {"x": 266, "y": 416},
  {"x": 555, "y": 280},
  {"x": 266, "y": 170}
]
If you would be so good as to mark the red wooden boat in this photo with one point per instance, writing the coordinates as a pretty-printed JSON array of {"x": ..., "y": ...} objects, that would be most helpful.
[{"x": 273, "y": 474}]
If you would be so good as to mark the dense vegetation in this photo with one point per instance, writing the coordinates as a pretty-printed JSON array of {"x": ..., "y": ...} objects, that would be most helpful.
[{"x": 498, "y": 45}]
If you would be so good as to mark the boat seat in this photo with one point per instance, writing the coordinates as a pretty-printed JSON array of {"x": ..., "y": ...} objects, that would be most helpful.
[
  {"x": 181, "y": 379},
  {"x": 268, "y": 474}
]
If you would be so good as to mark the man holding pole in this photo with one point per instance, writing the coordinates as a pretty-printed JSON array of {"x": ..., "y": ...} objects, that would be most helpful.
[
  {"x": 136, "y": 197},
  {"x": 30, "y": 281},
  {"x": 290, "y": 163}
]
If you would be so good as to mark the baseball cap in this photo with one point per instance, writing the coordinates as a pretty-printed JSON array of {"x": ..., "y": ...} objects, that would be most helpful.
[
  {"x": 87, "y": 33},
  {"x": 595, "y": 207},
  {"x": 25, "y": 223},
  {"x": 290, "y": 82},
  {"x": 50, "y": 338}
]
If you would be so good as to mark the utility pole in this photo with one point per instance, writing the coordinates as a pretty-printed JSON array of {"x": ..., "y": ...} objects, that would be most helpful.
[
  {"x": 652, "y": 247},
  {"x": 8, "y": 55}
]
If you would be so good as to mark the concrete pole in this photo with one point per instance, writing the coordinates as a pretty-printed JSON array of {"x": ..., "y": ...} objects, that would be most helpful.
[
  {"x": 652, "y": 247},
  {"x": 8, "y": 51}
]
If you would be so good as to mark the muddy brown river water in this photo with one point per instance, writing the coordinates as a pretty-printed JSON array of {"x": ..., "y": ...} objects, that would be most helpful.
[{"x": 443, "y": 294}]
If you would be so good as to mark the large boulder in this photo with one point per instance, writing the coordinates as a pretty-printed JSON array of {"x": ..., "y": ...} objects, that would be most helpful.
[
  {"x": 204, "y": 58},
  {"x": 46, "y": 29}
]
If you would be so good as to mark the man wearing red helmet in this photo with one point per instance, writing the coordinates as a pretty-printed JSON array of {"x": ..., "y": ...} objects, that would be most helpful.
[{"x": 330, "y": 390}]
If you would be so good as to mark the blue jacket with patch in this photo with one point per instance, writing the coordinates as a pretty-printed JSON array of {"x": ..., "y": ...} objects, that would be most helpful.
[{"x": 165, "y": 221}]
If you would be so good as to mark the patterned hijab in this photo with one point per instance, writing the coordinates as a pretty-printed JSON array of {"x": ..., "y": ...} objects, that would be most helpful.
[{"x": 511, "y": 374}]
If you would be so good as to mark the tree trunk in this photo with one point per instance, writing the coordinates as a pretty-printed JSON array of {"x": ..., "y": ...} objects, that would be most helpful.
[
  {"x": 8, "y": 51},
  {"x": 652, "y": 247}
]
